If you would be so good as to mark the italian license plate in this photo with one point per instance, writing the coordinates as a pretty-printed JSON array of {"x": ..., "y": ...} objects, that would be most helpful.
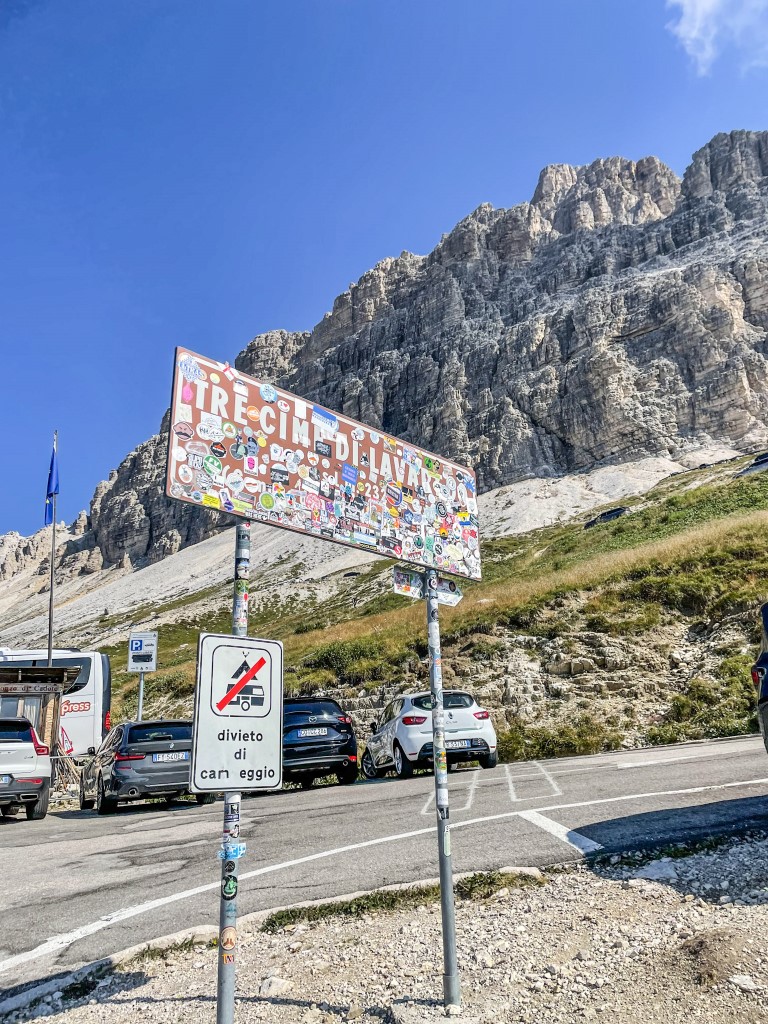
[
  {"x": 456, "y": 744},
  {"x": 5, "y": 780},
  {"x": 313, "y": 732},
  {"x": 172, "y": 755}
]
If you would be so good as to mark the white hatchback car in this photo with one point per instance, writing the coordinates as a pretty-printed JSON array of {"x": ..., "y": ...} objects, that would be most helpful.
[
  {"x": 402, "y": 738},
  {"x": 25, "y": 770}
]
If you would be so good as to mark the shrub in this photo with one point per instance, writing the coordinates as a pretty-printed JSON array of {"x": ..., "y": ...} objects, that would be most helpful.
[{"x": 585, "y": 735}]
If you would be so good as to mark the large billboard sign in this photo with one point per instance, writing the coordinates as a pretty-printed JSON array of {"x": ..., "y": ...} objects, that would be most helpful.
[{"x": 248, "y": 448}]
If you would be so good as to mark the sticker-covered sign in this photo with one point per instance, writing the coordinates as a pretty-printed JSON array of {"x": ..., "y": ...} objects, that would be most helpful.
[
  {"x": 411, "y": 584},
  {"x": 237, "y": 740},
  {"x": 253, "y": 450}
]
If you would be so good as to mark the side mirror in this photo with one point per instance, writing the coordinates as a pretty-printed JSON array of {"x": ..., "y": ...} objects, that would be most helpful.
[
  {"x": 91, "y": 751},
  {"x": 372, "y": 726}
]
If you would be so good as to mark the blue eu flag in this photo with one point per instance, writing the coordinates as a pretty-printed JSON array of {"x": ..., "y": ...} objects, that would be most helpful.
[{"x": 53, "y": 482}]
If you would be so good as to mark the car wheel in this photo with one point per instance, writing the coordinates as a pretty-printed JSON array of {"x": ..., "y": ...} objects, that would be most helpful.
[
  {"x": 205, "y": 798},
  {"x": 104, "y": 805},
  {"x": 9, "y": 811},
  {"x": 85, "y": 805},
  {"x": 38, "y": 810},
  {"x": 369, "y": 769},
  {"x": 490, "y": 760},
  {"x": 347, "y": 777},
  {"x": 403, "y": 767}
]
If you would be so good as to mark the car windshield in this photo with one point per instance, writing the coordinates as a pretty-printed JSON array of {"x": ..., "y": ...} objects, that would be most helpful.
[
  {"x": 15, "y": 732},
  {"x": 450, "y": 700},
  {"x": 312, "y": 707},
  {"x": 160, "y": 731}
]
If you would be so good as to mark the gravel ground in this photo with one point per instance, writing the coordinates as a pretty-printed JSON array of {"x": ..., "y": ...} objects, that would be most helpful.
[{"x": 671, "y": 940}]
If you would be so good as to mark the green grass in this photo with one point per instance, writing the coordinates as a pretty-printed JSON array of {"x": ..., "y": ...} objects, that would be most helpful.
[
  {"x": 686, "y": 553},
  {"x": 585, "y": 735},
  {"x": 386, "y": 901}
]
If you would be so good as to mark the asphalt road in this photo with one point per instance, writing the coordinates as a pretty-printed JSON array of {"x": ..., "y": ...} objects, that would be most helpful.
[{"x": 77, "y": 887}]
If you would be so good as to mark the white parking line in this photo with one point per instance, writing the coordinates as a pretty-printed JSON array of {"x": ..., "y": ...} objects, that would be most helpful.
[
  {"x": 575, "y": 839},
  {"x": 472, "y": 784},
  {"x": 548, "y": 776},
  {"x": 512, "y": 795},
  {"x": 667, "y": 760},
  {"x": 59, "y": 942}
]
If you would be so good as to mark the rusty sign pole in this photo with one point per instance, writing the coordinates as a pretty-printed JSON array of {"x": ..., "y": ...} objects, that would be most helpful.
[
  {"x": 451, "y": 985},
  {"x": 231, "y": 847}
]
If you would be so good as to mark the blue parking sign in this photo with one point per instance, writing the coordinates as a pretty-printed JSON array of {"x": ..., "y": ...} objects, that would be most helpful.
[{"x": 136, "y": 645}]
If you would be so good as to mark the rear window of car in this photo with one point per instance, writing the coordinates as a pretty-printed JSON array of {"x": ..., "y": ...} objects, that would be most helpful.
[
  {"x": 162, "y": 731},
  {"x": 313, "y": 707},
  {"x": 15, "y": 732},
  {"x": 450, "y": 700}
]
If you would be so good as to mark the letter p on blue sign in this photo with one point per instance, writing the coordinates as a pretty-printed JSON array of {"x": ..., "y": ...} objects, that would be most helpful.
[{"x": 136, "y": 645}]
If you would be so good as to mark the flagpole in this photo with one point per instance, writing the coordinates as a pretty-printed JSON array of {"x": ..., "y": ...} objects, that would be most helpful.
[{"x": 53, "y": 556}]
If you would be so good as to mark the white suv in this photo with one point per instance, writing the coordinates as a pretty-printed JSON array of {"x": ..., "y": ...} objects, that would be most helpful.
[
  {"x": 402, "y": 738},
  {"x": 25, "y": 770}
]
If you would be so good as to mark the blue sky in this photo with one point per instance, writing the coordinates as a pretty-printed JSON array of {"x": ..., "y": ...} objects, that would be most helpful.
[{"x": 188, "y": 172}]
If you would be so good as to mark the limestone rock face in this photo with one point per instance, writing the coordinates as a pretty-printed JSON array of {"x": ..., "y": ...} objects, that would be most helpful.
[{"x": 620, "y": 313}]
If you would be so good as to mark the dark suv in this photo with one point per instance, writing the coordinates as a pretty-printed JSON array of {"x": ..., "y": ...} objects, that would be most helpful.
[
  {"x": 138, "y": 760},
  {"x": 760, "y": 676},
  {"x": 318, "y": 740}
]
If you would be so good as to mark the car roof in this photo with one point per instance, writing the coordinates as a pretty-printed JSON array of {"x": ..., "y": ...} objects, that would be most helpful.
[
  {"x": 17, "y": 720},
  {"x": 309, "y": 700},
  {"x": 428, "y": 693},
  {"x": 160, "y": 721}
]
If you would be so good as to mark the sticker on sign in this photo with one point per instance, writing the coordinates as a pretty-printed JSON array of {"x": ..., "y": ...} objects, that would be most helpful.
[
  {"x": 238, "y": 726},
  {"x": 411, "y": 584}
]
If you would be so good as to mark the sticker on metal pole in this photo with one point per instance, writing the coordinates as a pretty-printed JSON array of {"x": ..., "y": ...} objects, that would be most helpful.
[
  {"x": 238, "y": 728},
  {"x": 410, "y": 583}
]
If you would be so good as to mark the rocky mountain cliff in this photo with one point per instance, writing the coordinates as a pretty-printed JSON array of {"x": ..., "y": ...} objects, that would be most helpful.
[{"x": 622, "y": 312}]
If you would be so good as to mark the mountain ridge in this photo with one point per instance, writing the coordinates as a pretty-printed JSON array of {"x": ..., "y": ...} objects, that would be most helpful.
[{"x": 621, "y": 313}]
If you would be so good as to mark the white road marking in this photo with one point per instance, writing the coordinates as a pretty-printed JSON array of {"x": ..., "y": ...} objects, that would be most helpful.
[
  {"x": 667, "y": 760},
  {"x": 613, "y": 799},
  {"x": 575, "y": 839},
  {"x": 548, "y": 776},
  {"x": 59, "y": 942},
  {"x": 512, "y": 795},
  {"x": 472, "y": 784}
]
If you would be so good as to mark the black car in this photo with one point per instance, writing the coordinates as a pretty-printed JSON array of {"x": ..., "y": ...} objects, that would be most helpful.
[
  {"x": 318, "y": 740},
  {"x": 138, "y": 760},
  {"x": 757, "y": 465},
  {"x": 760, "y": 676},
  {"x": 606, "y": 517}
]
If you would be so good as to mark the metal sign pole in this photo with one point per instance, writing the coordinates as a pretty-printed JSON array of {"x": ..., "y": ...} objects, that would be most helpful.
[
  {"x": 225, "y": 992},
  {"x": 451, "y": 986},
  {"x": 141, "y": 697}
]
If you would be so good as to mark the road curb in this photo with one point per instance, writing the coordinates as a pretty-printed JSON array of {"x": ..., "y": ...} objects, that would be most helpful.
[{"x": 38, "y": 990}]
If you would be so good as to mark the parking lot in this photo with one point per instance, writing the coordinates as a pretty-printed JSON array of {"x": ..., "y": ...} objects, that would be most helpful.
[{"x": 78, "y": 886}]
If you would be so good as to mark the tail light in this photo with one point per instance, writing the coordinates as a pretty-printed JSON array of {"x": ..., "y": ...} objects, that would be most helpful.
[
  {"x": 414, "y": 719},
  {"x": 40, "y": 748},
  {"x": 482, "y": 715},
  {"x": 129, "y": 757},
  {"x": 353, "y": 757},
  {"x": 758, "y": 674},
  {"x": 107, "y": 721},
  {"x": 345, "y": 719},
  {"x": 33, "y": 782}
]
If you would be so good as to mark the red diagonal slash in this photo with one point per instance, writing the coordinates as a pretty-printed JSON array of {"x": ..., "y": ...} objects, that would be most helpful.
[{"x": 231, "y": 694}]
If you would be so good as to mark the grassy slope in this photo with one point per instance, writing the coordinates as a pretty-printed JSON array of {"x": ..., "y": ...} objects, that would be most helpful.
[{"x": 691, "y": 550}]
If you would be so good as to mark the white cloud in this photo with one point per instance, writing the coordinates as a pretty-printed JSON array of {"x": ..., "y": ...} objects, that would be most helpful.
[{"x": 706, "y": 27}]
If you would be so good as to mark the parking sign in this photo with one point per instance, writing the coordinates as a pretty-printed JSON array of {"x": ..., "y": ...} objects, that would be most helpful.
[
  {"x": 142, "y": 652},
  {"x": 238, "y": 730}
]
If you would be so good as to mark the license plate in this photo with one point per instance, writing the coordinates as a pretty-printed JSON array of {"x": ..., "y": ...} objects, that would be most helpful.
[
  {"x": 313, "y": 732},
  {"x": 5, "y": 780},
  {"x": 456, "y": 744},
  {"x": 172, "y": 755}
]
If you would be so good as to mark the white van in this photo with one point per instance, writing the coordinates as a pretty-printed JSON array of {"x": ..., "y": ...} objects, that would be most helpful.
[{"x": 84, "y": 713}]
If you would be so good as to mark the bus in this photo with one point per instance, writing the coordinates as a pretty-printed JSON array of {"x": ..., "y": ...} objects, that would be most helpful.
[{"x": 84, "y": 712}]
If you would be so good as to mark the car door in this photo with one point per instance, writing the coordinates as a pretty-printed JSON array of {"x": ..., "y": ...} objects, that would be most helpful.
[
  {"x": 390, "y": 729},
  {"x": 376, "y": 742},
  {"x": 104, "y": 759}
]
